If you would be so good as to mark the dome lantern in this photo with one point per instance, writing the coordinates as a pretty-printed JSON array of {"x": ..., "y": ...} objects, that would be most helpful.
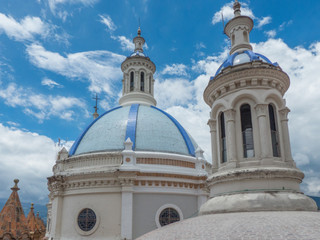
[
  {"x": 238, "y": 29},
  {"x": 138, "y": 82}
]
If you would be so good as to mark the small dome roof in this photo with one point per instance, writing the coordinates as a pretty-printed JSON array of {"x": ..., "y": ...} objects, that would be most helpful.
[
  {"x": 243, "y": 57},
  {"x": 148, "y": 127},
  {"x": 137, "y": 54}
]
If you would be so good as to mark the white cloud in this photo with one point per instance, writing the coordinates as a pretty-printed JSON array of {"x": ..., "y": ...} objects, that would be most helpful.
[
  {"x": 100, "y": 68},
  {"x": 227, "y": 11},
  {"x": 50, "y": 83},
  {"x": 167, "y": 94},
  {"x": 200, "y": 45},
  {"x": 106, "y": 20},
  {"x": 263, "y": 21},
  {"x": 126, "y": 44},
  {"x": 13, "y": 124},
  {"x": 26, "y": 29},
  {"x": 175, "y": 69},
  {"x": 30, "y": 157},
  {"x": 271, "y": 33},
  {"x": 284, "y": 25},
  {"x": 42, "y": 106},
  {"x": 55, "y": 4}
]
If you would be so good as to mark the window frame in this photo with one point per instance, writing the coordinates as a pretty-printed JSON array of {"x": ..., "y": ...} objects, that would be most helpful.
[
  {"x": 95, "y": 227},
  {"x": 162, "y": 208},
  {"x": 245, "y": 135},
  {"x": 275, "y": 137},
  {"x": 222, "y": 139},
  {"x": 131, "y": 82}
]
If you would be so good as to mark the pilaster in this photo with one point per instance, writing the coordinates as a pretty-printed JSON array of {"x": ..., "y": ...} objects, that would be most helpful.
[
  {"x": 214, "y": 153},
  {"x": 285, "y": 133},
  {"x": 126, "y": 208}
]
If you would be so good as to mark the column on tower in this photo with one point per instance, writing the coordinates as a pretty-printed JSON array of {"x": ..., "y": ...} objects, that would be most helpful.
[
  {"x": 213, "y": 131},
  {"x": 264, "y": 131},
  {"x": 285, "y": 134},
  {"x": 231, "y": 135}
]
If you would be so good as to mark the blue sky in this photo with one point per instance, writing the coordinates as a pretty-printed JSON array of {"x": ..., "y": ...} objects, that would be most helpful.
[{"x": 56, "y": 54}]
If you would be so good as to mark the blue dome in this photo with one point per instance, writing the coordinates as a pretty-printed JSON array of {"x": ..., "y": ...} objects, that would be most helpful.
[
  {"x": 138, "y": 54},
  {"x": 243, "y": 57},
  {"x": 148, "y": 127}
]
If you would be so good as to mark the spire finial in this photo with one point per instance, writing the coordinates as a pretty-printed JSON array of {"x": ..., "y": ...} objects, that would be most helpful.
[
  {"x": 138, "y": 41},
  {"x": 15, "y": 187},
  {"x": 32, "y": 206},
  {"x": 236, "y": 8}
]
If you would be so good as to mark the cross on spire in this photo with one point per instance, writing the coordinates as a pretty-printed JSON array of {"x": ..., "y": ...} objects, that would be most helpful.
[{"x": 95, "y": 114}]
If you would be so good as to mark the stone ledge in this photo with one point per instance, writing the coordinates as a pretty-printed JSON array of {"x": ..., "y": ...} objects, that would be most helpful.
[{"x": 262, "y": 201}]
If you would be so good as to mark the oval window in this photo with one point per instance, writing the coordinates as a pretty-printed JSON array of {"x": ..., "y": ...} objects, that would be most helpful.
[
  {"x": 87, "y": 219},
  {"x": 168, "y": 215}
]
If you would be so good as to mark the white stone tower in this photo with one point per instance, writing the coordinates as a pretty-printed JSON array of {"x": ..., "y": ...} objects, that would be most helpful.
[
  {"x": 138, "y": 80},
  {"x": 253, "y": 169}
]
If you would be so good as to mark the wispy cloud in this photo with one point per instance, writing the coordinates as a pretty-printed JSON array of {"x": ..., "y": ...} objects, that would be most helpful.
[
  {"x": 106, "y": 20},
  {"x": 56, "y": 6},
  {"x": 263, "y": 21},
  {"x": 228, "y": 13},
  {"x": 30, "y": 29},
  {"x": 126, "y": 44},
  {"x": 200, "y": 45},
  {"x": 271, "y": 33},
  {"x": 99, "y": 68},
  {"x": 42, "y": 106},
  {"x": 284, "y": 25},
  {"x": 175, "y": 69},
  {"x": 50, "y": 83}
]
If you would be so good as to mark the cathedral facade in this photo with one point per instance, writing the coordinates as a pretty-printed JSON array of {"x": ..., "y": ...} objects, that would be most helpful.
[{"x": 133, "y": 169}]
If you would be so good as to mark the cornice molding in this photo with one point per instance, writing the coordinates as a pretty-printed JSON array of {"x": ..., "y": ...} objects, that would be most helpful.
[{"x": 246, "y": 76}]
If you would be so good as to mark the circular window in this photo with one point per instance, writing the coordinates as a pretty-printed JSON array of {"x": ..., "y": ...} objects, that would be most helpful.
[
  {"x": 168, "y": 215},
  {"x": 87, "y": 219}
]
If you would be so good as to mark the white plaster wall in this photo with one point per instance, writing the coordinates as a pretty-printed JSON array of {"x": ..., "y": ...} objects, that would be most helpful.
[
  {"x": 145, "y": 207},
  {"x": 107, "y": 207}
]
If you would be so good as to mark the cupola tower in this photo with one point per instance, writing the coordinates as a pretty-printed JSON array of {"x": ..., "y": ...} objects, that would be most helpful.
[
  {"x": 253, "y": 169},
  {"x": 138, "y": 80}
]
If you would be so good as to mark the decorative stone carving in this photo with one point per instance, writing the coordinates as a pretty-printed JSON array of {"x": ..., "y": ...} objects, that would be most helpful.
[
  {"x": 213, "y": 125},
  {"x": 262, "y": 75},
  {"x": 229, "y": 114},
  {"x": 284, "y": 114},
  {"x": 261, "y": 109}
]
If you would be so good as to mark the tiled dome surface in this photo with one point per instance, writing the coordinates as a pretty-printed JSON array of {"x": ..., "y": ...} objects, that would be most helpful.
[
  {"x": 242, "y": 57},
  {"x": 149, "y": 128}
]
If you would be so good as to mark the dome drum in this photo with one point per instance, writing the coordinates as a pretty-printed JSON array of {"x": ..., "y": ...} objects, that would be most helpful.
[
  {"x": 244, "y": 77},
  {"x": 137, "y": 60}
]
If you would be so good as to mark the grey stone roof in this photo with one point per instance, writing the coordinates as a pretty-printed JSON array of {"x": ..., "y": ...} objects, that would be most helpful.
[{"x": 243, "y": 226}]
